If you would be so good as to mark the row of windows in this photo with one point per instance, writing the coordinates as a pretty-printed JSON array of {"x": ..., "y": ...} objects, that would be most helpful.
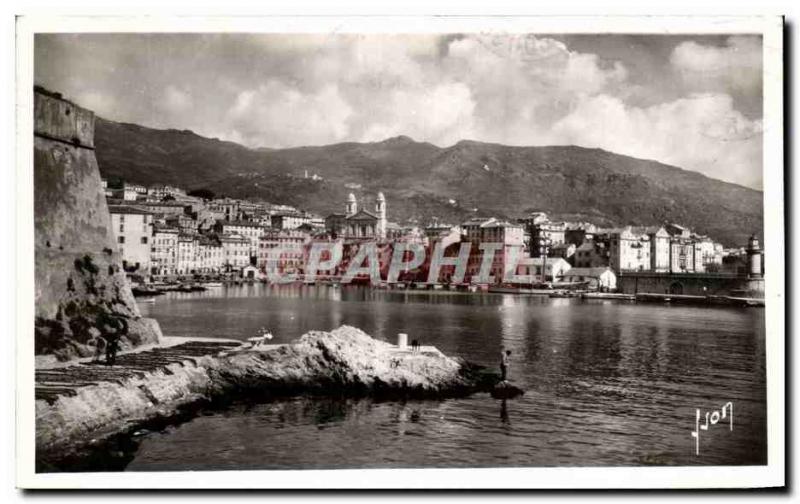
[{"x": 121, "y": 239}]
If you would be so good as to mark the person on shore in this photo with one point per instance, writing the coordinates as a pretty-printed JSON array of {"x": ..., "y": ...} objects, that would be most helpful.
[
  {"x": 113, "y": 327},
  {"x": 504, "y": 362},
  {"x": 111, "y": 350},
  {"x": 99, "y": 348}
]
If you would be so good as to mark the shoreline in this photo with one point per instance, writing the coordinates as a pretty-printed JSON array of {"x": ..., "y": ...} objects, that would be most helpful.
[{"x": 73, "y": 429}]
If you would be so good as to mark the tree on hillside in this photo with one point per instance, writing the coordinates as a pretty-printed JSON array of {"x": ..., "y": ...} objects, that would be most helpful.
[{"x": 202, "y": 193}]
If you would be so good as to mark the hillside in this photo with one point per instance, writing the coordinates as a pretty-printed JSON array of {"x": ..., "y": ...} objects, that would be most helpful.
[{"x": 422, "y": 181}]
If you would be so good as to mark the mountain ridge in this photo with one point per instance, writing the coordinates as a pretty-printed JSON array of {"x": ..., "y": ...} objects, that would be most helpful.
[{"x": 423, "y": 181}]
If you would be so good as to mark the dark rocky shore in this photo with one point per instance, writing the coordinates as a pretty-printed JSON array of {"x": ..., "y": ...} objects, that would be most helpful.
[{"x": 87, "y": 414}]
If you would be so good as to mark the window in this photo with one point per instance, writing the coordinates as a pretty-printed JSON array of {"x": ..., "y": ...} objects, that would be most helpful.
[
  {"x": 121, "y": 239},
  {"x": 144, "y": 240},
  {"x": 122, "y": 228}
]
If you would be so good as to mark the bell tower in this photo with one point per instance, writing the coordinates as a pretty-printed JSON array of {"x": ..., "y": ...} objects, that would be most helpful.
[
  {"x": 380, "y": 209},
  {"x": 351, "y": 208}
]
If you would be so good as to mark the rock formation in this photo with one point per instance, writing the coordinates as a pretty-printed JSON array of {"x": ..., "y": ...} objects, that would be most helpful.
[
  {"x": 78, "y": 270},
  {"x": 344, "y": 362}
]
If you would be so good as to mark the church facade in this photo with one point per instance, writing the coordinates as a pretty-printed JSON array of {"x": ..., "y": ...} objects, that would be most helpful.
[{"x": 357, "y": 223}]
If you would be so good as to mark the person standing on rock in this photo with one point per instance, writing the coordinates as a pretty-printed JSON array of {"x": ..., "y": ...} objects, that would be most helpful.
[{"x": 504, "y": 362}]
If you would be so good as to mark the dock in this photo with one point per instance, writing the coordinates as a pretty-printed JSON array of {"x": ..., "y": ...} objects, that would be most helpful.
[{"x": 689, "y": 299}]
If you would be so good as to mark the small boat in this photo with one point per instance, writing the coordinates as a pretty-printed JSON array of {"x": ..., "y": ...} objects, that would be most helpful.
[
  {"x": 151, "y": 300},
  {"x": 211, "y": 284}
]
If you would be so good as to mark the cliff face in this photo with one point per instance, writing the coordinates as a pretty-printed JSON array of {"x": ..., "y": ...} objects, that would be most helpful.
[{"x": 78, "y": 271}]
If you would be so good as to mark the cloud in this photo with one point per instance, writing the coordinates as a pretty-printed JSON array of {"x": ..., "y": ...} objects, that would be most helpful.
[
  {"x": 175, "y": 100},
  {"x": 702, "y": 132},
  {"x": 442, "y": 115},
  {"x": 280, "y": 115},
  {"x": 698, "y": 106},
  {"x": 735, "y": 66}
]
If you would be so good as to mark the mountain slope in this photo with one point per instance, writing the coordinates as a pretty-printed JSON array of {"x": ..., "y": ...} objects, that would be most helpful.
[{"x": 422, "y": 181}]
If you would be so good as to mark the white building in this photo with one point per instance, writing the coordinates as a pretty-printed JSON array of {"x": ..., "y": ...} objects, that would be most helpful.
[
  {"x": 602, "y": 279},
  {"x": 282, "y": 251},
  {"x": 236, "y": 252},
  {"x": 210, "y": 256},
  {"x": 133, "y": 229},
  {"x": 187, "y": 263},
  {"x": 554, "y": 268},
  {"x": 164, "y": 251},
  {"x": 629, "y": 251},
  {"x": 252, "y": 231}
]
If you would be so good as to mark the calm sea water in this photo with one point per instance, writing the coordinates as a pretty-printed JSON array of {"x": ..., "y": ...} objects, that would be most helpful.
[{"x": 607, "y": 383}]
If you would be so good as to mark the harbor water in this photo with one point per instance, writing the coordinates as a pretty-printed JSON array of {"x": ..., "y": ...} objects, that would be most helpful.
[{"x": 607, "y": 383}]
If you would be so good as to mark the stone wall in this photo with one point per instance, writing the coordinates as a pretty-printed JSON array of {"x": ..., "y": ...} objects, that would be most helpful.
[
  {"x": 78, "y": 270},
  {"x": 698, "y": 284}
]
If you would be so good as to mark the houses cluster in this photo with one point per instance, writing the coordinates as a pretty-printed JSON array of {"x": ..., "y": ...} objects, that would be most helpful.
[{"x": 162, "y": 231}]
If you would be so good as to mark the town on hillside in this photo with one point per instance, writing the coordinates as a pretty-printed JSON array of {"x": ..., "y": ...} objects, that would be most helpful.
[{"x": 167, "y": 234}]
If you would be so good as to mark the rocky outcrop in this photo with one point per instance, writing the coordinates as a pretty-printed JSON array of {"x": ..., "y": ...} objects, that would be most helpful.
[
  {"x": 78, "y": 271},
  {"x": 344, "y": 362}
]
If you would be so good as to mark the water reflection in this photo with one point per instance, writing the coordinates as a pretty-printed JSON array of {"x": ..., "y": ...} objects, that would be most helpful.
[{"x": 606, "y": 383}]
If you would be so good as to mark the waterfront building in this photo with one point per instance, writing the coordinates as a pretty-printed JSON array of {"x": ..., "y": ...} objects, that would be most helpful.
[
  {"x": 236, "y": 252},
  {"x": 132, "y": 228},
  {"x": 628, "y": 251},
  {"x": 565, "y": 251},
  {"x": 282, "y": 251},
  {"x": 250, "y": 230},
  {"x": 210, "y": 256},
  {"x": 707, "y": 255},
  {"x": 511, "y": 238},
  {"x": 187, "y": 263},
  {"x": 164, "y": 250},
  {"x": 602, "y": 279},
  {"x": 543, "y": 233},
  {"x": 554, "y": 268},
  {"x": 682, "y": 252},
  {"x": 591, "y": 254}
]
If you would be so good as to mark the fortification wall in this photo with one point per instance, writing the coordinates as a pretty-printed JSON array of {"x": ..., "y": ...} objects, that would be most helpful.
[{"x": 78, "y": 270}]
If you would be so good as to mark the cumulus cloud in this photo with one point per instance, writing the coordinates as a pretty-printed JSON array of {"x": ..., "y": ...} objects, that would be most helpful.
[
  {"x": 736, "y": 65},
  {"x": 291, "y": 90},
  {"x": 287, "y": 116},
  {"x": 702, "y": 132}
]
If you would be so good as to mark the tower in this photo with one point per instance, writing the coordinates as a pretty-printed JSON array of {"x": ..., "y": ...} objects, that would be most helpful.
[
  {"x": 753, "y": 258},
  {"x": 351, "y": 208},
  {"x": 380, "y": 209}
]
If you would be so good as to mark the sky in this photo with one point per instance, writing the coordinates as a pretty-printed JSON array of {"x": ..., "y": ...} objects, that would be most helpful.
[{"x": 690, "y": 101}]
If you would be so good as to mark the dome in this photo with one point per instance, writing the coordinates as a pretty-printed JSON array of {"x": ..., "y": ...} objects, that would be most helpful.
[
  {"x": 381, "y": 197},
  {"x": 351, "y": 198}
]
